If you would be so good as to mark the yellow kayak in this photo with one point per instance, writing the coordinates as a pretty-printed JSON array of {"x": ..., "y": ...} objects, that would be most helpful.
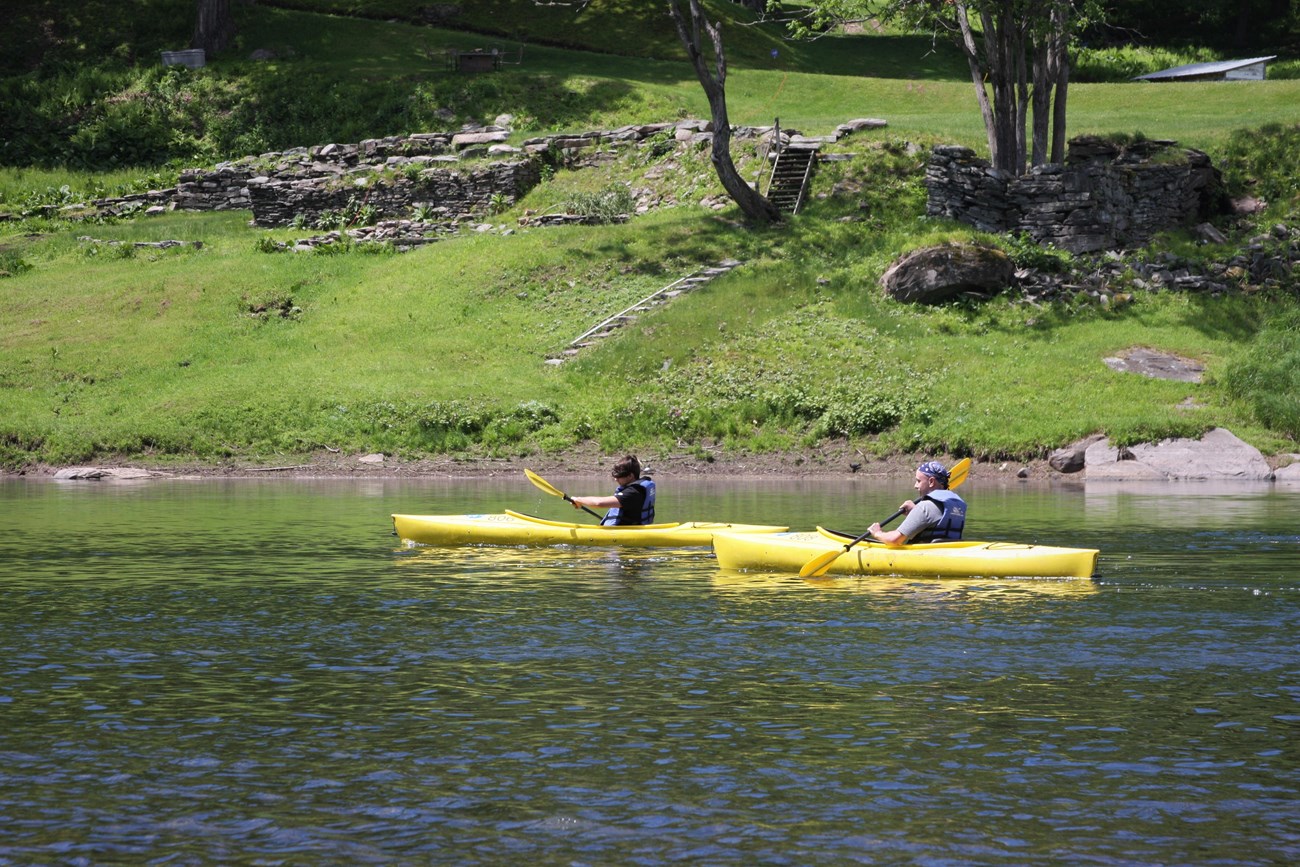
[
  {"x": 514, "y": 528},
  {"x": 788, "y": 552}
]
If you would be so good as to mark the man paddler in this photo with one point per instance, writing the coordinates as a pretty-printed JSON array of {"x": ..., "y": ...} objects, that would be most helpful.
[{"x": 936, "y": 515}]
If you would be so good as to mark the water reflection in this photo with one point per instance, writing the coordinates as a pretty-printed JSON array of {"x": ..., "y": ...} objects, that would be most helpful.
[{"x": 241, "y": 672}]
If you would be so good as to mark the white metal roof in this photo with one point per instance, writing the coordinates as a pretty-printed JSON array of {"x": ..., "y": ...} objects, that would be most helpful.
[{"x": 1200, "y": 69}]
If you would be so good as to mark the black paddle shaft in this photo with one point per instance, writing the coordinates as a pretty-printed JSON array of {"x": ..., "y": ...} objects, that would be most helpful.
[{"x": 868, "y": 532}]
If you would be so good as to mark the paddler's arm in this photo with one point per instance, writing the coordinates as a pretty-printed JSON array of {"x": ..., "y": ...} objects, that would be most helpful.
[
  {"x": 594, "y": 502},
  {"x": 892, "y": 538}
]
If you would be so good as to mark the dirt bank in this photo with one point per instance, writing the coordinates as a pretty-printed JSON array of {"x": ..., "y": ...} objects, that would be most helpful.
[{"x": 824, "y": 462}]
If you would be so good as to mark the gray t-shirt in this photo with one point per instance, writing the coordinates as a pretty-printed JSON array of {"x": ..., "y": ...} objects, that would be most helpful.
[{"x": 924, "y": 515}]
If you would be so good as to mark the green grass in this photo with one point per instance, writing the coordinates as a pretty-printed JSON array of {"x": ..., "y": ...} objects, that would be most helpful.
[
  {"x": 345, "y": 79},
  {"x": 643, "y": 30},
  {"x": 185, "y": 352},
  {"x": 444, "y": 349}
]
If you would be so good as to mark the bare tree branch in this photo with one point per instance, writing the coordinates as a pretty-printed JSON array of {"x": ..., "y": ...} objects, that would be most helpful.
[{"x": 754, "y": 205}]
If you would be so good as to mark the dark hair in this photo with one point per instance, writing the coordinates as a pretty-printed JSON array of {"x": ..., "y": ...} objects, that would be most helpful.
[{"x": 628, "y": 466}]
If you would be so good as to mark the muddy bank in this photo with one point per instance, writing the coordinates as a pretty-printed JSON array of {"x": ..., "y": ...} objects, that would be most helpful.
[
  {"x": 1219, "y": 455},
  {"x": 827, "y": 462}
]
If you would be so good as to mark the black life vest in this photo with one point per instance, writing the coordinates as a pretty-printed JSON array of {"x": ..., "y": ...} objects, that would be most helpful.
[{"x": 647, "y": 505}]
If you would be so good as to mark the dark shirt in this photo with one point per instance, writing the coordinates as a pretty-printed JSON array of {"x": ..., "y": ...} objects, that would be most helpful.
[{"x": 630, "y": 502}]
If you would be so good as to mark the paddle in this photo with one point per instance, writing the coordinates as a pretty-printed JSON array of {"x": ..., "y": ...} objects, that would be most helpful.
[
  {"x": 819, "y": 564},
  {"x": 554, "y": 491}
]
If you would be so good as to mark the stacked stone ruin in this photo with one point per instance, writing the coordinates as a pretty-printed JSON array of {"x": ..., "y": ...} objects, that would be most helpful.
[
  {"x": 457, "y": 174},
  {"x": 1106, "y": 196}
]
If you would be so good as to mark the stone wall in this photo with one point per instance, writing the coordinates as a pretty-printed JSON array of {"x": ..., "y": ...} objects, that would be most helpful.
[
  {"x": 325, "y": 177},
  {"x": 276, "y": 202},
  {"x": 317, "y": 176},
  {"x": 1105, "y": 197}
]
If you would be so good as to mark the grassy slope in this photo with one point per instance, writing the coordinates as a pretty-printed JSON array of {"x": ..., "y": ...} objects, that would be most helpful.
[
  {"x": 399, "y": 353},
  {"x": 917, "y": 86}
]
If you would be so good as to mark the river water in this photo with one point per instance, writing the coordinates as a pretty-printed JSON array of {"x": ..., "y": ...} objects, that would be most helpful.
[{"x": 248, "y": 672}]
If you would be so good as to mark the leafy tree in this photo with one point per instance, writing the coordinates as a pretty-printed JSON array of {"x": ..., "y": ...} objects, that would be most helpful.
[
  {"x": 1018, "y": 55},
  {"x": 57, "y": 34},
  {"x": 751, "y": 202},
  {"x": 1244, "y": 25}
]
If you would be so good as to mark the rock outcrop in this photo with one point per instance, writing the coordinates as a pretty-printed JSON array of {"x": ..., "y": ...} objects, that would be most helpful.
[
  {"x": 933, "y": 275},
  {"x": 1219, "y": 455},
  {"x": 1073, "y": 458},
  {"x": 1290, "y": 473},
  {"x": 96, "y": 474}
]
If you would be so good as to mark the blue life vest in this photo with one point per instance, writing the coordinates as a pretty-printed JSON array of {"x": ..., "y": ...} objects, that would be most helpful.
[
  {"x": 647, "y": 505},
  {"x": 950, "y": 523}
]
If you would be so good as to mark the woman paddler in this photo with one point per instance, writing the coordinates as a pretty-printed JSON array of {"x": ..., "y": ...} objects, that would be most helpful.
[{"x": 633, "y": 501}]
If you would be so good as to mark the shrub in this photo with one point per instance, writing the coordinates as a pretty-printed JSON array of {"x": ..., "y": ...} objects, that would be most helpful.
[
  {"x": 105, "y": 250},
  {"x": 1261, "y": 162},
  {"x": 1125, "y": 62},
  {"x": 604, "y": 206},
  {"x": 425, "y": 212},
  {"x": 850, "y": 413},
  {"x": 1025, "y": 252},
  {"x": 11, "y": 263},
  {"x": 1267, "y": 375},
  {"x": 354, "y": 213}
]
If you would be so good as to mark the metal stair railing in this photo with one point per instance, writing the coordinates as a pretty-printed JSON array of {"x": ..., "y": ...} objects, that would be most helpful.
[
  {"x": 646, "y": 300},
  {"x": 803, "y": 183}
]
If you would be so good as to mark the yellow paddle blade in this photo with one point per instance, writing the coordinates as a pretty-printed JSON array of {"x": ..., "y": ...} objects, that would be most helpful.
[
  {"x": 543, "y": 484},
  {"x": 820, "y": 563},
  {"x": 958, "y": 473}
]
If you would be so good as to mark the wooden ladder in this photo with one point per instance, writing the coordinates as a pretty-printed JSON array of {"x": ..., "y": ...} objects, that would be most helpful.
[{"x": 788, "y": 185}]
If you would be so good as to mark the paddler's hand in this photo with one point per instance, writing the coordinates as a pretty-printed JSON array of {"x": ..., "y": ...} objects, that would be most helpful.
[{"x": 906, "y": 507}]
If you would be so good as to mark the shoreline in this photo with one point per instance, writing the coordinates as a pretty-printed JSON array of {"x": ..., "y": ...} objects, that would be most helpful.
[
  {"x": 825, "y": 463},
  {"x": 829, "y": 462}
]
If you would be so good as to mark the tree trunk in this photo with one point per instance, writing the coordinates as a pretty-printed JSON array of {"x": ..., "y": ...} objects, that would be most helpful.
[
  {"x": 1019, "y": 64},
  {"x": 1059, "y": 77},
  {"x": 214, "y": 29},
  {"x": 1058, "y": 109},
  {"x": 1022, "y": 98},
  {"x": 971, "y": 51},
  {"x": 1042, "y": 102},
  {"x": 754, "y": 205},
  {"x": 1000, "y": 48}
]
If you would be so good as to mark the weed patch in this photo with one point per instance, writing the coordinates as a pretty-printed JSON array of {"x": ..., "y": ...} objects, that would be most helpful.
[{"x": 1266, "y": 375}]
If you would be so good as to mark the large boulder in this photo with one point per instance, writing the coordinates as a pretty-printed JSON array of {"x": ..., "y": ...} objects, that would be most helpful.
[
  {"x": 932, "y": 275},
  {"x": 1073, "y": 458},
  {"x": 1218, "y": 455},
  {"x": 1290, "y": 473}
]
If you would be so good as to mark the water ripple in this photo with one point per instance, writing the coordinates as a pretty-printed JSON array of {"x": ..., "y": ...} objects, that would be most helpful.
[{"x": 246, "y": 675}]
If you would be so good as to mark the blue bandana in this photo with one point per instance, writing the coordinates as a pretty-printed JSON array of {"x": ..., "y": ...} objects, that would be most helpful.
[{"x": 934, "y": 470}]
